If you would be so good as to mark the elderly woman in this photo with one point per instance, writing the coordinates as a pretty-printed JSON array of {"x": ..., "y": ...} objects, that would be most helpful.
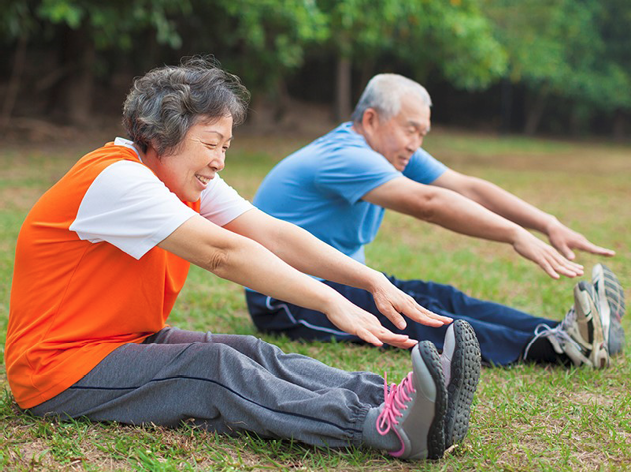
[{"x": 104, "y": 253}]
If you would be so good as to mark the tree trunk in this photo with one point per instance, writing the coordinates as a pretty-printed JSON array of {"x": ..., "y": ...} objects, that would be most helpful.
[
  {"x": 72, "y": 97},
  {"x": 367, "y": 73},
  {"x": 283, "y": 100},
  {"x": 535, "y": 111},
  {"x": 579, "y": 119},
  {"x": 619, "y": 125},
  {"x": 343, "y": 89},
  {"x": 506, "y": 105},
  {"x": 14, "y": 82}
]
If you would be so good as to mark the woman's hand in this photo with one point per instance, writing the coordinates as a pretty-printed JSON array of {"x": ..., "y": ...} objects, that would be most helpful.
[
  {"x": 393, "y": 303},
  {"x": 353, "y": 320}
]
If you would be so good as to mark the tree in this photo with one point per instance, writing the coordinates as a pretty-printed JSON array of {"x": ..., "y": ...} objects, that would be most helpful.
[
  {"x": 16, "y": 25},
  {"x": 570, "y": 49},
  {"x": 451, "y": 37},
  {"x": 262, "y": 41},
  {"x": 80, "y": 29}
]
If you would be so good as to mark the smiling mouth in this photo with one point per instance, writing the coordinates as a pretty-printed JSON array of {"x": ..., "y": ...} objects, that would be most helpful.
[{"x": 203, "y": 179}]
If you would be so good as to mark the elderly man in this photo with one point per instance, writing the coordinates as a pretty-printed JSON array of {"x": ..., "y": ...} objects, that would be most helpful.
[{"x": 338, "y": 188}]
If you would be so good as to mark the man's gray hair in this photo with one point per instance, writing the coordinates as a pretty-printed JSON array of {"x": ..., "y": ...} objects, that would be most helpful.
[
  {"x": 166, "y": 102},
  {"x": 385, "y": 93}
]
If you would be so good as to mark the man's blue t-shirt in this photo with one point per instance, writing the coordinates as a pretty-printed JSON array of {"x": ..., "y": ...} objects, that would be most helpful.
[{"x": 320, "y": 187}]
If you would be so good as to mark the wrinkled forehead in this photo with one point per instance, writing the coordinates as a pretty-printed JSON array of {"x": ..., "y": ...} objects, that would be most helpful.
[{"x": 414, "y": 113}]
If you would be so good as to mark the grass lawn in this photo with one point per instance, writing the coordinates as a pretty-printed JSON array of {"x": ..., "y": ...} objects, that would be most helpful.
[{"x": 524, "y": 417}]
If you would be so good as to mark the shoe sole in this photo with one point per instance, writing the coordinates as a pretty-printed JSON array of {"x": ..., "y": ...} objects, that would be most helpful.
[
  {"x": 465, "y": 373},
  {"x": 611, "y": 304},
  {"x": 599, "y": 355},
  {"x": 436, "y": 433}
]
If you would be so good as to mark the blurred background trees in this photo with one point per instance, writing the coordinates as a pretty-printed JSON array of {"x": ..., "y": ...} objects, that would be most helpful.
[{"x": 533, "y": 66}]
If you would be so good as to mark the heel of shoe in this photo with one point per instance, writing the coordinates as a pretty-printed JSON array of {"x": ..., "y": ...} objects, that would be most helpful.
[{"x": 600, "y": 357}]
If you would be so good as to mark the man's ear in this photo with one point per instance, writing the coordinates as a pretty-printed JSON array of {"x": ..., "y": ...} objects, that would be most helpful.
[{"x": 370, "y": 119}]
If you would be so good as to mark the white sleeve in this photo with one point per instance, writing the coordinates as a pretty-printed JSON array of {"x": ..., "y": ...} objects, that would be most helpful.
[
  {"x": 129, "y": 207},
  {"x": 221, "y": 204}
]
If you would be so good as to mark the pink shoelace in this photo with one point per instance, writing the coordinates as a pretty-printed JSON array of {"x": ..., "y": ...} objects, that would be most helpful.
[{"x": 394, "y": 402}]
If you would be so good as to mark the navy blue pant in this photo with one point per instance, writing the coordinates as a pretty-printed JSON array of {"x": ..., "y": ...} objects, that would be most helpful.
[{"x": 503, "y": 332}]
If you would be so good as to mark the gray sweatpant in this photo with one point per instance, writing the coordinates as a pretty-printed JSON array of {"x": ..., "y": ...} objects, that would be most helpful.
[{"x": 224, "y": 383}]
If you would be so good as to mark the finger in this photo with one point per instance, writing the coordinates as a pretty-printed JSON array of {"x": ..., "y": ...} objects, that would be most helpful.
[
  {"x": 568, "y": 271},
  {"x": 367, "y": 336},
  {"x": 424, "y": 316},
  {"x": 566, "y": 251},
  {"x": 377, "y": 335},
  {"x": 433, "y": 320},
  {"x": 396, "y": 340},
  {"x": 569, "y": 268},
  {"x": 545, "y": 265},
  {"x": 409, "y": 343},
  {"x": 564, "y": 269},
  {"x": 393, "y": 315},
  {"x": 601, "y": 251}
]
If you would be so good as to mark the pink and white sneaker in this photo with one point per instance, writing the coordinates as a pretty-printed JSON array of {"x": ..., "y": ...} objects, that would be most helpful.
[{"x": 415, "y": 409}]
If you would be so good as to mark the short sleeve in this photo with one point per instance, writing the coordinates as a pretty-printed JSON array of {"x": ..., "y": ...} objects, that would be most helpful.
[
  {"x": 424, "y": 168},
  {"x": 221, "y": 204},
  {"x": 130, "y": 208},
  {"x": 353, "y": 172}
]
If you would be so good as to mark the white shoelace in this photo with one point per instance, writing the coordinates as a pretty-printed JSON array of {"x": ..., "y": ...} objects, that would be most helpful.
[{"x": 559, "y": 332}]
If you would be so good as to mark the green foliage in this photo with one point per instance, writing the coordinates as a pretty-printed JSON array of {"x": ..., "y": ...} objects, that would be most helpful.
[
  {"x": 453, "y": 37},
  {"x": 575, "y": 47},
  {"x": 16, "y": 20},
  {"x": 262, "y": 39},
  {"x": 110, "y": 24},
  {"x": 459, "y": 40},
  {"x": 575, "y": 51}
]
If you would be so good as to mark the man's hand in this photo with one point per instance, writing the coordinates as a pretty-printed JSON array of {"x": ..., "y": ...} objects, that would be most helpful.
[
  {"x": 545, "y": 256},
  {"x": 564, "y": 240}
]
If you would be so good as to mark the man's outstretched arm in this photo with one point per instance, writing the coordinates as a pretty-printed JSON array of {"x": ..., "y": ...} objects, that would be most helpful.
[
  {"x": 457, "y": 213},
  {"x": 513, "y": 208}
]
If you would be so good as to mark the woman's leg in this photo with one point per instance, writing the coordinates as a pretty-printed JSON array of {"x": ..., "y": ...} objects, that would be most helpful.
[
  {"x": 295, "y": 368},
  {"x": 222, "y": 389}
]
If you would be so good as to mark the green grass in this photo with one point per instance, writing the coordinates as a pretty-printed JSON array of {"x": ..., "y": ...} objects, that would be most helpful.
[{"x": 524, "y": 417}]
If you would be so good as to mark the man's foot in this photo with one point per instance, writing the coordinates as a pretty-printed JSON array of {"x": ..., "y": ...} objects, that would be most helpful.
[
  {"x": 415, "y": 409},
  {"x": 611, "y": 304},
  {"x": 580, "y": 335},
  {"x": 460, "y": 361}
]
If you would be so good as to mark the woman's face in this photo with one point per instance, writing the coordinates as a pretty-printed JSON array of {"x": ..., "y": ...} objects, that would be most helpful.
[{"x": 195, "y": 163}]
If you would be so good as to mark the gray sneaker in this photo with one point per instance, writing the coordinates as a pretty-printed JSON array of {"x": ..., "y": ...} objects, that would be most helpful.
[
  {"x": 415, "y": 409},
  {"x": 460, "y": 361},
  {"x": 580, "y": 335},
  {"x": 611, "y": 304}
]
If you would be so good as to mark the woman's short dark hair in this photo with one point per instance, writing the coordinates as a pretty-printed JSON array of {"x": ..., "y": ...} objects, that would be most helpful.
[{"x": 166, "y": 102}]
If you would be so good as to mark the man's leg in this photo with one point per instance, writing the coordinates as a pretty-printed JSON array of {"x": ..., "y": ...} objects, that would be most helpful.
[
  {"x": 224, "y": 390},
  {"x": 450, "y": 299},
  {"x": 502, "y": 332}
]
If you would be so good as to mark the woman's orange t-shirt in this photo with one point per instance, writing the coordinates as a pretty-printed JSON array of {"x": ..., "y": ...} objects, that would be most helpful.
[{"x": 73, "y": 301}]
